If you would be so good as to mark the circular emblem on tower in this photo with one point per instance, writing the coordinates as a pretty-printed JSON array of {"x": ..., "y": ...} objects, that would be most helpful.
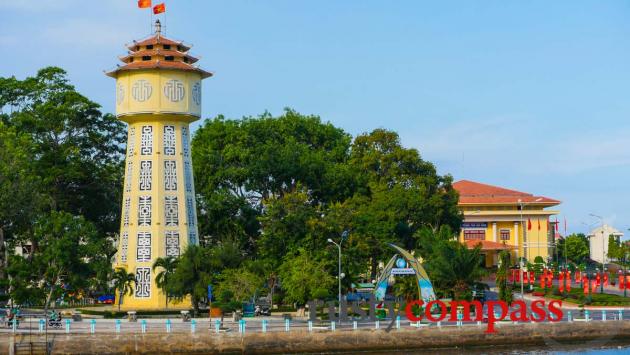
[
  {"x": 120, "y": 94},
  {"x": 196, "y": 93},
  {"x": 174, "y": 90},
  {"x": 141, "y": 90}
]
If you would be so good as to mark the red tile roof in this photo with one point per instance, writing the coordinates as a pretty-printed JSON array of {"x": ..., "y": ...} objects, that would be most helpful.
[
  {"x": 160, "y": 52},
  {"x": 487, "y": 245},
  {"x": 158, "y": 39},
  {"x": 471, "y": 192},
  {"x": 138, "y": 49}
]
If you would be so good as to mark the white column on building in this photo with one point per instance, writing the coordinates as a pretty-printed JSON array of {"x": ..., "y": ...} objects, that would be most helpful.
[
  {"x": 516, "y": 235},
  {"x": 494, "y": 232}
]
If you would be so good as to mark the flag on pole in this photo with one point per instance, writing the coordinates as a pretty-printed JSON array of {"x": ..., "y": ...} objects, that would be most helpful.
[
  {"x": 539, "y": 224},
  {"x": 144, "y": 4},
  {"x": 529, "y": 224},
  {"x": 557, "y": 228},
  {"x": 159, "y": 8}
]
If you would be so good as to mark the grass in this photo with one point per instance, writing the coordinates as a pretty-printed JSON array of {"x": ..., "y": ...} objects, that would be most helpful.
[{"x": 577, "y": 296}]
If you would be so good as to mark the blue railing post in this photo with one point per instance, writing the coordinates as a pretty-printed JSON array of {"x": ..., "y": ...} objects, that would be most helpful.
[
  {"x": 620, "y": 314},
  {"x": 241, "y": 326},
  {"x": 603, "y": 315},
  {"x": 42, "y": 323},
  {"x": 310, "y": 325},
  {"x": 67, "y": 326},
  {"x": 377, "y": 324},
  {"x": 287, "y": 325},
  {"x": 397, "y": 322},
  {"x": 264, "y": 326},
  {"x": 569, "y": 316},
  {"x": 168, "y": 325},
  {"x": 217, "y": 325},
  {"x": 333, "y": 325},
  {"x": 587, "y": 315},
  {"x": 193, "y": 326},
  {"x": 93, "y": 326},
  {"x": 354, "y": 325},
  {"x": 117, "y": 325},
  {"x": 143, "y": 325}
]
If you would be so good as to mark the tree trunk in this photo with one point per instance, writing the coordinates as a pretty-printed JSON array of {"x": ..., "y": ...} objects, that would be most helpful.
[
  {"x": 195, "y": 304},
  {"x": 119, "y": 300}
]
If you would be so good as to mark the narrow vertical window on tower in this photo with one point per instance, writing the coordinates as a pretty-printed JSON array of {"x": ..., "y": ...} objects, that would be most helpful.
[
  {"x": 171, "y": 211},
  {"x": 144, "y": 211},
  {"x": 187, "y": 176},
  {"x": 145, "y": 175},
  {"x": 170, "y": 175},
  {"x": 143, "y": 282},
  {"x": 169, "y": 140},
  {"x": 190, "y": 213},
  {"x": 124, "y": 242},
  {"x": 185, "y": 142},
  {"x": 146, "y": 140},
  {"x": 128, "y": 176},
  {"x": 131, "y": 141},
  {"x": 126, "y": 209}
]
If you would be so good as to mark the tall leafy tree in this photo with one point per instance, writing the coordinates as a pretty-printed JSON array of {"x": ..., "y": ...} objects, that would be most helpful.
[
  {"x": 78, "y": 151},
  {"x": 196, "y": 268},
  {"x": 305, "y": 278}
]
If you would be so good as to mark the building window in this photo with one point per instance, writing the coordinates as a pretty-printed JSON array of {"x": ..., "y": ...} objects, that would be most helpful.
[
  {"x": 131, "y": 60},
  {"x": 185, "y": 59},
  {"x": 169, "y": 58},
  {"x": 474, "y": 234},
  {"x": 167, "y": 46},
  {"x": 146, "y": 57},
  {"x": 505, "y": 234},
  {"x": 150, "y": 46}
]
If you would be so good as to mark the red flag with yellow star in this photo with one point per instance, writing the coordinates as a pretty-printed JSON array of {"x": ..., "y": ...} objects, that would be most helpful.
[{"x": 159, "y": 8}]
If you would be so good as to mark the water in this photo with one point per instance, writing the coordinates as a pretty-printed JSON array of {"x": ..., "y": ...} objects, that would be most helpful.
[{"x": 608, "y": 349}]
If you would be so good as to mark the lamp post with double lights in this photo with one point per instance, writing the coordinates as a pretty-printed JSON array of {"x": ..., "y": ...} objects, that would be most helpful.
[
  {"x": 344, "y": 235},
  {"x": 603, "y": 250}
]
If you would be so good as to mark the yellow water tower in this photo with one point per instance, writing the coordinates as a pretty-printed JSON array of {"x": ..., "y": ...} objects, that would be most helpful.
[{"x": 158, "y": 94}]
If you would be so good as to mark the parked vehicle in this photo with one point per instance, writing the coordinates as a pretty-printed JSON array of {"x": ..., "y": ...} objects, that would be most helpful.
[
  {"x": 106, "y": 299},
  {"x": 262, "y": 310}
]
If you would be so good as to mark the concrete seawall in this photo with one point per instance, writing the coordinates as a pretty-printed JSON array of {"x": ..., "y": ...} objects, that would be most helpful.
[{"x": 549, "y": 334}]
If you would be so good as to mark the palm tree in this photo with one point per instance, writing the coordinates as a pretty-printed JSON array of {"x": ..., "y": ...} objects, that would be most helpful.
[
  {"x": 168, "y": 266},
  {"x": 456, "y": 268},
  {"x": 406, "y": 287},
  {"x": 123, "y": 282}
]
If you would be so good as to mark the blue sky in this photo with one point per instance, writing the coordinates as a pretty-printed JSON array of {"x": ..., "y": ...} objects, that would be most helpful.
[{"x": 530, "y": 95}]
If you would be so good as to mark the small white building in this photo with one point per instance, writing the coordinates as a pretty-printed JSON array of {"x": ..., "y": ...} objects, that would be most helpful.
[{"x": 598, "y": 242}]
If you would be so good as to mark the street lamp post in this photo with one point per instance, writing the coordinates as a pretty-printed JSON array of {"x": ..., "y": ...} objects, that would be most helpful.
[
  {"x": 603, "y": 253},
  {"x": 343, "y": 236}
]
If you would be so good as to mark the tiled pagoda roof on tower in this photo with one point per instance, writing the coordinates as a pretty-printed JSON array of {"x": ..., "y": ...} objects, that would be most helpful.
[{"x": 158, "y": 52}]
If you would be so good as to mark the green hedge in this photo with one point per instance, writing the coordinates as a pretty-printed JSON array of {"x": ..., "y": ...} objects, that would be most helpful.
[{"x": 122, "y": 314}]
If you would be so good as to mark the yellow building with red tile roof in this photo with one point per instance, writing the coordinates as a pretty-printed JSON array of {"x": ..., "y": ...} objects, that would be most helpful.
[{"x": 502, "y": 219}]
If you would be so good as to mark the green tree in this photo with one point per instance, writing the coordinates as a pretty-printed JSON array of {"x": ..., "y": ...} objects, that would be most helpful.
[
  {"x": 167, "y": 266},
  {"x": 303, "y": 278},
  {"x": 196, "y": 268},
  {"x": 615, "y": 251},
  {"x": 577, "y": 247},
  {"x": 78, "y": 151},
  {"x": 241, "y": 283},
  {"x": 66, "y": 246},
  {"x": 124, "y": 283},
  {"x": 505, "y": 289}
]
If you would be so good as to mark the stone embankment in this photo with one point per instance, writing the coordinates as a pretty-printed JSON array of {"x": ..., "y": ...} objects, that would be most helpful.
[{"x": 545, "y": 334}]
